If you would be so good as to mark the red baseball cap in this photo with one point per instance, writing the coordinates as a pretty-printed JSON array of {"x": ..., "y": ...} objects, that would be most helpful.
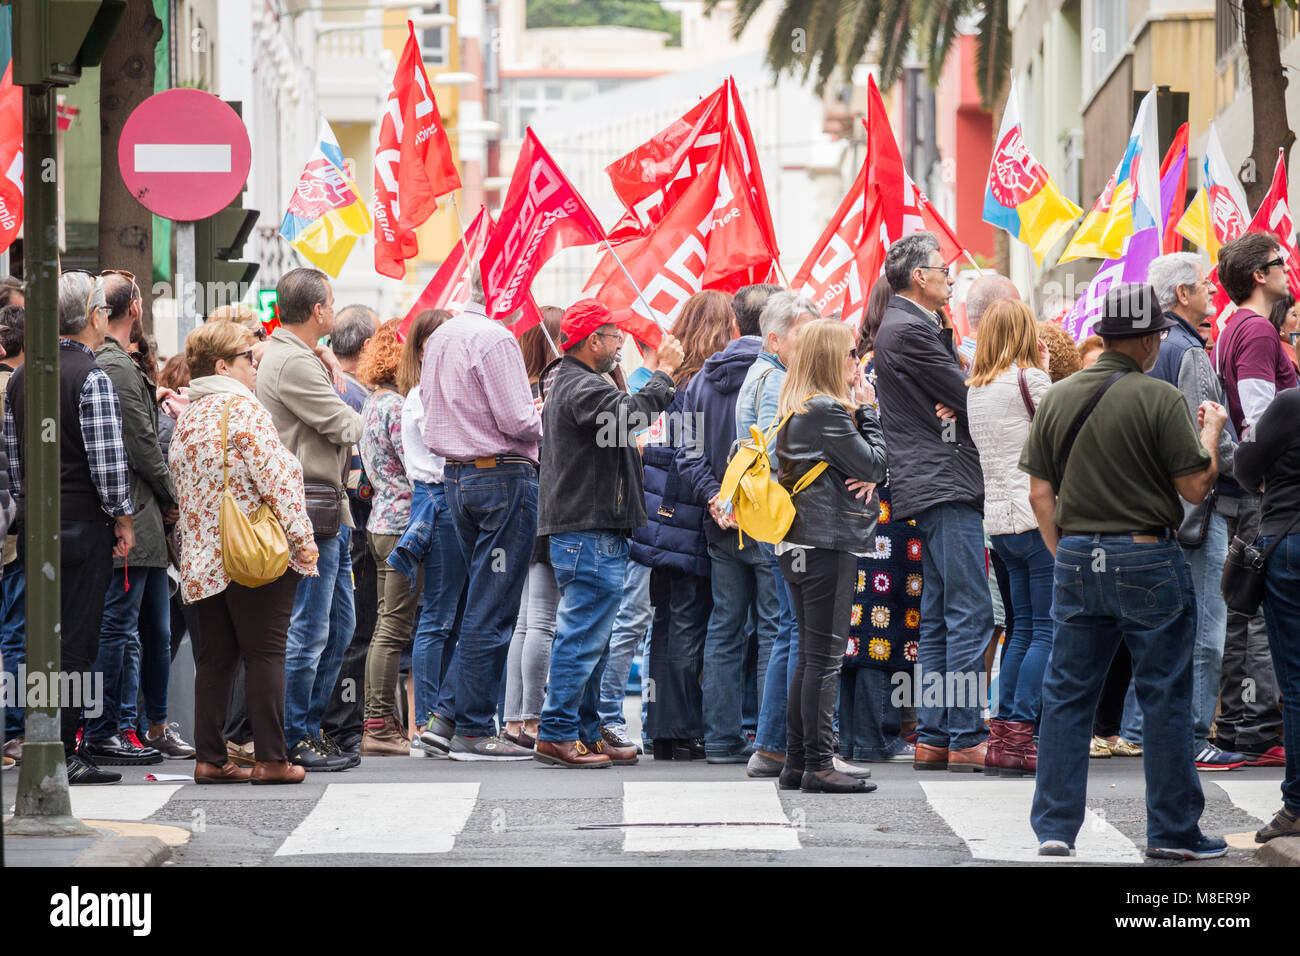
[{"x": 581, "y": 319}]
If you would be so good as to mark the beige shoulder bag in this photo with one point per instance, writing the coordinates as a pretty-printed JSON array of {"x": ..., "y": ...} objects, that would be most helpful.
[{"x": 254, "y": 550}]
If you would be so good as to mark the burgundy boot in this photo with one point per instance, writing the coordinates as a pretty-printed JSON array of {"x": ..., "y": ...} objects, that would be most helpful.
[
  {"x": 997, "y": 734},
  {"x": 1019, "y": 756}
]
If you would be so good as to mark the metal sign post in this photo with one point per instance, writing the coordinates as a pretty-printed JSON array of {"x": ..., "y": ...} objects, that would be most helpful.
[{"x": 186, "y": 320}]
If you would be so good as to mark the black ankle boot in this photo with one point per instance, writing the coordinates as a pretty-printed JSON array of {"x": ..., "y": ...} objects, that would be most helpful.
[
  {"x": 663, "y": 749},
  {"x": 688, "y": 749},
  {"x": 790, "y": 778},
  {"x": 832, "y": 781}
]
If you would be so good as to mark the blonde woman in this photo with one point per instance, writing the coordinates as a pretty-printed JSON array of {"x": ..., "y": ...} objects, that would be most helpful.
[
  {"x": 832, "y": 422},
  {"x": 1008, "y": 380},
  {"x": 235, "y": 621}
]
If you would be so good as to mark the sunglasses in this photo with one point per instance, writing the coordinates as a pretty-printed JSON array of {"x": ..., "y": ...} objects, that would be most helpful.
[
  {"x": 1279, "y": 261},
  {"x": 118, "y": 272}
]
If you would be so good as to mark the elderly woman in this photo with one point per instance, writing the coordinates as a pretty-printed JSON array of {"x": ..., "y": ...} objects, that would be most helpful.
[
  {"x": 236, "y": 621},
  {"x": 390, "y": 512}
]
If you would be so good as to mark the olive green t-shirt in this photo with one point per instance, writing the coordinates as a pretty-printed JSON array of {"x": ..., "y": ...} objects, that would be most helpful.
[{"x": 1121, "y": 469}]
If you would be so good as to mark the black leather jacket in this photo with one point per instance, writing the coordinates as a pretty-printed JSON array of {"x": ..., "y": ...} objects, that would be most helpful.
[{"x": 827, "y": 515}]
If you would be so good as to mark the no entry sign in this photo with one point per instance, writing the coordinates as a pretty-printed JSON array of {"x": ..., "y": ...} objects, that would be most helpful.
[{"x": 184, "y": 154}]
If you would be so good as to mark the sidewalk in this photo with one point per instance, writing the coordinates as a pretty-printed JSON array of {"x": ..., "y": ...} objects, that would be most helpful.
[{"x": 119, "y": 844}]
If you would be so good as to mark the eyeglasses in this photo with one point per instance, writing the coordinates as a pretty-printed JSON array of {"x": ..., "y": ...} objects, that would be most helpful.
[
  {"x": 247, "y": 353},
  {"x": 118, "y": 272},
  {"x": 1279, "y": 261},
  {"x": 943, "y": 269},
  {"x": 610, "y": 335}
]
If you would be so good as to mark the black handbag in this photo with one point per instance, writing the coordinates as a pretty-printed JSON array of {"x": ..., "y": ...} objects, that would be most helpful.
[
  {"x": 1243, "y": 579},
  {"x": 323, "y": 501},
  {"x": 1196, "y": 523}
]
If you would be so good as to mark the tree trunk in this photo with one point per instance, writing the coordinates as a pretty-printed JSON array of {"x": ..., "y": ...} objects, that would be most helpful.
[
  {"x": 1268, "y": 97},
  {"x": 126, "y": 80},
  {"x": 1001, "y": 240}
]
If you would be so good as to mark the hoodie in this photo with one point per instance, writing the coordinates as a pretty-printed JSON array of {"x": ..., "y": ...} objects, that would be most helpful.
[{"x": 710, "y": 402}]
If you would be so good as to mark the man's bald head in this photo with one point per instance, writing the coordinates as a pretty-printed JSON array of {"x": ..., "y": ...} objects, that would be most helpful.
[
  {"x": 983, "y": 292},
  {"x": 119, "y": 293}
]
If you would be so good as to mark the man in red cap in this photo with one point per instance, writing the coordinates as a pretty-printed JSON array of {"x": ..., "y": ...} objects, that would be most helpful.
[{"x": 590, "y": 502}]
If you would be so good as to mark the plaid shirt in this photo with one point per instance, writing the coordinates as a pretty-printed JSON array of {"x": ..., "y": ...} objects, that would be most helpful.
[
  {"x": 101, "y": 432},
  {"x": 475, "y": 389}
]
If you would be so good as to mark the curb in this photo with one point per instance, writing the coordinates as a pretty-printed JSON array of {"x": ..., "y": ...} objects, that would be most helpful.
[
  {"x": 1280, "y": 851},
  {"x": 119, "y": 851}
]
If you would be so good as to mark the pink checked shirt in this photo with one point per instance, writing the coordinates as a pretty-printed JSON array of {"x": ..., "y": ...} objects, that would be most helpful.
[{"x": 475, "y": 390}]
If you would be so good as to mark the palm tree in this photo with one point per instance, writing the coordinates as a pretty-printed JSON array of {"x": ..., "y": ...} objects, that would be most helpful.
[{"x": 815, "y": 37}]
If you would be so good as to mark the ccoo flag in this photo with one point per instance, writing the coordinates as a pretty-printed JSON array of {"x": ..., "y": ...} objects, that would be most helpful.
[
  {"x": 1020, "y": 197},
  {"x": 1131, "y": 200},
  {"x": 325, "y": 214},
  {"x": 1218, "y": 213}
]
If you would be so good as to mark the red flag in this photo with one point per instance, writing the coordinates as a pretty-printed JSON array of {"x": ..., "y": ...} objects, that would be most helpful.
[
  {"x": 1172, "y": 241},
  {"x": 654, "y": 176},
  {"x": 711, "y": 238},
  {"x": 449, "y": 288},
  {"x": 829, "y": 275},
  {"x": 11, "y": 159},
  {"x": 1274, "y": 216},
  {"x": 542, "y": 214},
  {"x": 413, "y": 163}
]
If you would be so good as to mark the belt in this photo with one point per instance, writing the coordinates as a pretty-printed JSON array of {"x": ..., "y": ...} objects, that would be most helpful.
[
  {"x": 491, "y": 461},
  {"x": 1149, "y": 536}
]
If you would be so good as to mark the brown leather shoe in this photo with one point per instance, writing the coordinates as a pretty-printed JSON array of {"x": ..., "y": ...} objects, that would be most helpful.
[
  {"x": 930, "y": 758},
  {"x": 623, "y": 756},
  {"x": 241, "y": 754},
  {"x": 384, "y": 738},
  {"x": 278, "y": 771},
  {"x": 970, "y": 760},
  {"x": 228, "y": 772},
  {"x": 571, "y": 753}
]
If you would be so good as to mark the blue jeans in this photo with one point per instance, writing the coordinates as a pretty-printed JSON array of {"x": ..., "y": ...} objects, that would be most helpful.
[
  {"x": 741, "y": 580},
  {"x": 1029, "y": 567},
  {"x": 13, "y": 637},
  {"x": 870, "y": 723},
  {"x": 1109, "y": 589},
  {"x": 495, "y": 513},
  {"x": 1282, "y": 614},
  {"x": 433, "y": 654},
  {"x": 956, "y": 623},
  {"x": 119, "y": 629},
  {"x": 631, "y": 625},
  {"x": 1206, "y": 565},
  {"x": 775, "y": 678},
  {"x": 589, "y": 568},
  {"x": 320, "y": 630},
  {"x": 148, "y": 657}
]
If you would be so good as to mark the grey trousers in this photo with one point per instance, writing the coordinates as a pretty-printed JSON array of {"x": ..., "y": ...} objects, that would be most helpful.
[
  {"x": 529, "y": 660},
  {"x": 1249, "y": 716}
]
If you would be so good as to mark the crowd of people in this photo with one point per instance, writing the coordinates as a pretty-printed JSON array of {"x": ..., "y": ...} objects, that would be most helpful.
[{"x": 1004, "y": 555}]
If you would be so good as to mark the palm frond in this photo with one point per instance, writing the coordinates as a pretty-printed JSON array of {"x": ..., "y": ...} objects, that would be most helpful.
[
  {"x": 897, "y": 36},
  {"x": 745, "y": 11},
  {"x": 939, "y": 43},
  {"x": 992, "y": 52}
]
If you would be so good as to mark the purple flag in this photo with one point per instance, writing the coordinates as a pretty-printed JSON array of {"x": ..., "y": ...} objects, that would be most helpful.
[{"x": 1142, "y": 248}]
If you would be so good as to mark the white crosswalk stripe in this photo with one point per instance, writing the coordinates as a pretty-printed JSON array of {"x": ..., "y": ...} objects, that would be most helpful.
[
  {"x": 122, "y": 802},
  {"x": 992, "y": 817},
  {"x": 403, "y": 818},
  {"x": 731, "y": 803},
  {"x": 1260, "y": 798}
]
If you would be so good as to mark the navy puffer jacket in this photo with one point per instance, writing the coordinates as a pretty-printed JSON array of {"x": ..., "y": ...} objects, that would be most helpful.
[{"x": 674, "y": 537}]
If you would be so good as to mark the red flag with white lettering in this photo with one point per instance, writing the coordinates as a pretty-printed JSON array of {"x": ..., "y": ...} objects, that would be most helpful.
[
  {"x": 711, "y": 238},
  {"x": 829, "y": 275},
  {"x": 449, "y": 288},
  {"x": 542, "y": 214},
  {"x": 11, "y": 159},
  {"x": 413, "y": 163},
  {"x": 1274, "y": 215}
]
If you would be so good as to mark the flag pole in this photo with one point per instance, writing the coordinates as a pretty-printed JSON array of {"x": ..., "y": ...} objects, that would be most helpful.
[
  {"x": 639, "y": 294},
  {"x": 781, "y": 273},
  {"x": 460, "y": 227},
  {"x": 547, "y": 332}
]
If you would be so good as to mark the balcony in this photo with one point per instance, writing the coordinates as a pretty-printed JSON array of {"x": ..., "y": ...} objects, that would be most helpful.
[{"x": 353, "y": 72}]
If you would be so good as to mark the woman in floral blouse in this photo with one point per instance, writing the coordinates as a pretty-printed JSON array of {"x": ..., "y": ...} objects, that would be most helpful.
[
  {"x": 236, "y": 621},
  {"x": 390, "y": 512}
]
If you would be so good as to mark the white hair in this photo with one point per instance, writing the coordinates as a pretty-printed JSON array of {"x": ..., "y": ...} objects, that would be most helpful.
[
  {"x": 1170, "y": 272},
  {"x": 782, "y": 310}
]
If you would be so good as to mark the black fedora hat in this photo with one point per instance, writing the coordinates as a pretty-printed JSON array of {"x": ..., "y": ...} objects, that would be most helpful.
[{"x": 1131, "y": 309}]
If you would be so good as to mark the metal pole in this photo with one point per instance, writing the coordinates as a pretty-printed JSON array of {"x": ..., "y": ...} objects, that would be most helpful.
[
  {"x": 649, "y": 311},
  {"x": 43, "y": 805},
  {"x": 185, "y": 317}
]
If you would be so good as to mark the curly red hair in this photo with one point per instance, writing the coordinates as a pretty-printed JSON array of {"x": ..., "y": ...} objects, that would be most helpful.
[{"x": 380, "y": 356}]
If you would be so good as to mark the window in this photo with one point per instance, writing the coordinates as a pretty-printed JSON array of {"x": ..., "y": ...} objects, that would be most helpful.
[
  {"x": 1106, "y": 37},
  {"x": 433, "y": 40}
]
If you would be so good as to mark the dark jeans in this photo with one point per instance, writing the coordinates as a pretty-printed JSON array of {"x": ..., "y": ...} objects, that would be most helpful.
[
  {"x": 1109, "y": 716},
  {"x": 346, "y": 708},
  {"x": 589, "y": 568},
  {"x": 119, "y": 629},
  {"x": 1029, "y": 567},
  {"x": 1249, "y": 716},
  {"x": 85, "y": 567},
  {"x": 148, "y": 660},
  {"x": 682, "y": 604},
  {"x": 1282, "y": 611},
  {"x": 870, "y": 723},
  {"x": 249, "y": 625},
  {"x": 495, "y": 512},
  {"x": 1107, "y": 590},
  {"x": 13, "y": 637},
  {"x": 742, "y": 581},
  {"x": 433, "y": 653},
  {"x": 821, "y": 584},
  {"x": 956, "y": 623}
]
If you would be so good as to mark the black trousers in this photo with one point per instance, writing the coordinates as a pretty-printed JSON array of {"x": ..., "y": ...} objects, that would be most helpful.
[
  {"x": 682, "y": 604},
  {"x": 1110, "y": 707},
  {"x": 821, "y": 584},
  {"x": 85, "y": 569},
  {"x": 249, "y": 625}
]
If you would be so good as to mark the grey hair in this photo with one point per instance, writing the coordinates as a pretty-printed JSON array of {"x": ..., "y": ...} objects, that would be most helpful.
[
  {"x": 353, "y": 326},
  {"x": 1169, "y": 272},
  {"x": 906, "y": 256},
  {"x": 983, "y": 292},
  {"x": 75, "y": 289},
  {"x": 782, "y": 310},
  {"x": 476, "y": 284}
]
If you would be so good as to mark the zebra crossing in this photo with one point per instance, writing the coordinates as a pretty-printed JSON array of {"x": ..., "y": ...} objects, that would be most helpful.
[{"x": 985, "y": 820}]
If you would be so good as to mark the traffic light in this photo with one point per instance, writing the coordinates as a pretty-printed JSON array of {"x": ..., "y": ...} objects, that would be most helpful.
[
  {"x": 219, "y": 267},
  {"x": 54, "y": 39}
]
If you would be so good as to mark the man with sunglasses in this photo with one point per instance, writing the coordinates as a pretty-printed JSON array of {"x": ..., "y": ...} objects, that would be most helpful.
[
  {"x": 135, "y": 638},
  {"x": 1254, "y": 367}
]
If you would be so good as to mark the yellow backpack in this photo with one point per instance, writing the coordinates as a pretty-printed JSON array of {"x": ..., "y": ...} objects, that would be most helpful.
[{"x": 763, "y": 509}]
